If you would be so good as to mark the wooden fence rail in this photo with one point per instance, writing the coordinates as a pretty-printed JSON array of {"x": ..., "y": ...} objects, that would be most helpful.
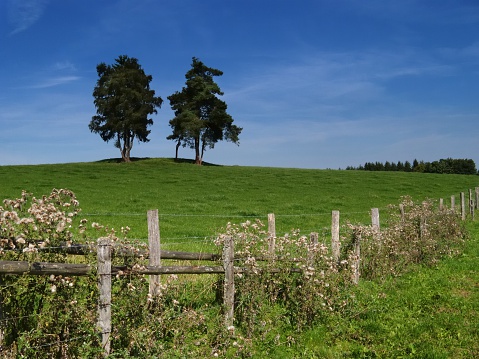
[
  {"x": 128, "y": 251},
  {"x": 105, "y": 250}
]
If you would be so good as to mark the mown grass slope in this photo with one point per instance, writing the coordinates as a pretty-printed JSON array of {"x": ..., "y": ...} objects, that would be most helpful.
[{"x": 196, "y": 202}]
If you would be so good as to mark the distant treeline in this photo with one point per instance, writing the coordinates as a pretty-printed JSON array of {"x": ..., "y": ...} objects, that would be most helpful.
[{"x": 449, "y": 165}]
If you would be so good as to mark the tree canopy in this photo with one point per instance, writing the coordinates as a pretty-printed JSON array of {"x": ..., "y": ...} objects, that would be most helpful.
[
  {"x": 124, "y": 101},
  {"x": 447, "y": 166},
  {"x": 200, "y": 118}
]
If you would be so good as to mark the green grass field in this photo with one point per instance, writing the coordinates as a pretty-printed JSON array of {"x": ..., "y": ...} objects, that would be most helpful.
[
  {"x": 427, "y": 313},
  {"x": 196, "y": 202}
]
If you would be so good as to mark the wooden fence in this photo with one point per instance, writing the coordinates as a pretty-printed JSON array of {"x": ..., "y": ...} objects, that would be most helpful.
[{"x": 105, "y": 250}]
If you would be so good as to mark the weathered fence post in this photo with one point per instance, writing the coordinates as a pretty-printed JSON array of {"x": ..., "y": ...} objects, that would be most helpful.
[
  {"x": 422, "y": 224},
  {"x": 357, "y": 256},
  {"x": 441, "y": 204},
  {"x": 375, "y": 219},
  {"x": 335, "y": 244},
  {"x": 463, "y": 206},
  {"x": 477, "y": 197},
  {"x": 401, "y": 209},
  {"x": 104, "y": 286},
  {"x": 471, "y": 204},
  {"x": 154, "y": 249},
  {"x": 375, "y": 225},
  {"x": 272, "y": 234},
  {"x": 229, "y": 285},
  {"x": 453, "y": 204}
]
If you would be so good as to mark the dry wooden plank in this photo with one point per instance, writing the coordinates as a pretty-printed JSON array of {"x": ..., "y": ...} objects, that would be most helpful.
[
  {"x": 357, "y": 257},
  {"x": 246, "y": 270},
  {"x": 190, "y": 256},
  {"x": 129, "y": 251},
  {"x": 375, "y": 219},
  {"x": 271, "y": 233},
  {"x": 402, "y": 211},
  {"x": 229, "y": 285},
  {"x": 104, "y": 287},
  {"x": 14, "y": 267},
  {"x": 335, "y": 244},
  {"x": 154, "y": 248},
  {"x": 43, "y": 268},
  {"x": 153, "y": 270},
  {"x": 471, "y": 204}
]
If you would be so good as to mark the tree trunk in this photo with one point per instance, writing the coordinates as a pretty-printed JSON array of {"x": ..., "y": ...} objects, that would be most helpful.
[
  {"x": 202, "y": 150},
  {"x": 198, "y": 158},
  {"x": 125, "y": 155},
  {"x": 177, "y": 147},
  {"x": 127, "y": 145}
]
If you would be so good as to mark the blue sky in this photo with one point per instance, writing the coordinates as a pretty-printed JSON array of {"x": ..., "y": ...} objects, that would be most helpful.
[{"x": 314, "y": 84}]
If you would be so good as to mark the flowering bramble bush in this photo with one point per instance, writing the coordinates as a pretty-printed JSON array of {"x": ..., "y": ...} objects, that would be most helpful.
[
  {"x": 300, "y": 281},
  {"x": 28, "y": 221},
  {"x": 37, "y": 311},
  {"x": 56, "y": 316},
  {"x": 419, "y": 234}
]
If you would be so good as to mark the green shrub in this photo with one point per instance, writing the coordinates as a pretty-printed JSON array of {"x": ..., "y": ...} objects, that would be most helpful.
[{"x": 419, "y": 234}]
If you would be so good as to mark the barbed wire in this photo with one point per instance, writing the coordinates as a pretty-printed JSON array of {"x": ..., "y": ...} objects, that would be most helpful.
[
  {"x": 166, "y": 241},
  {"x": 113, "y": 214},
  {"x": 170, "y": 241}
]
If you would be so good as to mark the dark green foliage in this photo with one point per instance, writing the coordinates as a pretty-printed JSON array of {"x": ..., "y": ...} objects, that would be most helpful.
[
  {"x": 200, "y": 118},
  {"x": 443, "y": 166},
  {"x": 449, "y": 165},
  {"x": 124, "y": 101}
]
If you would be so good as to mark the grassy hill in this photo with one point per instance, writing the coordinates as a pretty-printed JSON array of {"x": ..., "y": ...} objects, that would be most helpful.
[
  {"x": 195, "y": 202},
  {"x": 430, "y": 312}
]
